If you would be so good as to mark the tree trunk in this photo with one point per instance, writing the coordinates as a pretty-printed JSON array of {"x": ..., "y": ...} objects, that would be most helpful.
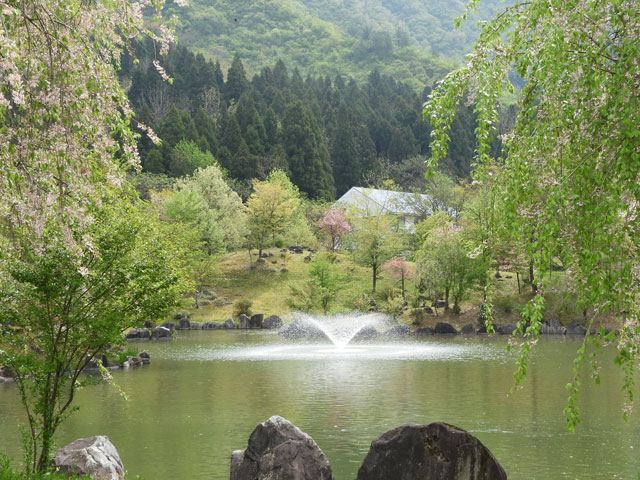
[
  {"x": 534, "y": 287},
  {"x": 446, "y": 298},
  {"x": 518, "y": 277},
  {"x": 374, "y": 267}
]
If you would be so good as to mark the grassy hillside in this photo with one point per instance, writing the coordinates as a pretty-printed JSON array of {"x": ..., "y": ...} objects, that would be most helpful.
[
  {"x": 413, "y": 40},
  {"x": 267, "y": 284}
]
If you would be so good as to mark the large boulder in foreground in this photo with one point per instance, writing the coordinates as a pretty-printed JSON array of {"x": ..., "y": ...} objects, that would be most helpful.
[
  {"x": 278, "y": 450},
  {"x": 93, "y": 456},
  {"x": 424, "y": 452}
]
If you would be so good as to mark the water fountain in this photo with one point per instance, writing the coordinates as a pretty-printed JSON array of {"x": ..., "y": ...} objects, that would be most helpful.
[
  {"x": 340, "y": 329},
  {"x": 354, "y": 336}
]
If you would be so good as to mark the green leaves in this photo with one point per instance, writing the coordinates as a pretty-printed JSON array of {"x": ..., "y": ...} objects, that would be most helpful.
[{"x": 569, "y": 180}]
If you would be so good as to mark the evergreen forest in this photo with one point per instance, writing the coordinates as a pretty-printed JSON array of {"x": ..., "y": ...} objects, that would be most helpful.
[{"x": 327, "y": 133}]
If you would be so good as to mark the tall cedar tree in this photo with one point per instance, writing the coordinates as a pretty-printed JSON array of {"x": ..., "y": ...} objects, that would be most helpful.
[{"x": 307, "y": 153}]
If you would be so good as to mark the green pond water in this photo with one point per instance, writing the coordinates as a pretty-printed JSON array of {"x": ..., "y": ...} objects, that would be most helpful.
[{"x": 205, "y": 391}]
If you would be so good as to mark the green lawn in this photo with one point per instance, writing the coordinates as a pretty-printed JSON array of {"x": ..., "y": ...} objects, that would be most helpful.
[{"x": 267, "y": 285}]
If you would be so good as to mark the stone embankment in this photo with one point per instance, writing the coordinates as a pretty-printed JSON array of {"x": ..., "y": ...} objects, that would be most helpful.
[
  {"x": 167, "y": 329},
  {"x": 301, "y": 329}
]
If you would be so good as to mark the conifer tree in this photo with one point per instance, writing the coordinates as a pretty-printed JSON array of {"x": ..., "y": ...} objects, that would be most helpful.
[
  {"x": 307, "y": 153},
  {"x": 347, "y": 168},
  {"x": 237, "y": 82}
]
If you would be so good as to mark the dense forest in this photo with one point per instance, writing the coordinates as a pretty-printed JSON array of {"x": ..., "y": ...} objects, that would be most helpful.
[
  {"x": 415, "y": 40},
  {"x": 327, "y": 133}
]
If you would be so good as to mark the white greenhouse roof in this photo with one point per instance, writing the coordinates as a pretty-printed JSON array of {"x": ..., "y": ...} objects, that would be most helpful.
[{"x": 372, "y": 200}]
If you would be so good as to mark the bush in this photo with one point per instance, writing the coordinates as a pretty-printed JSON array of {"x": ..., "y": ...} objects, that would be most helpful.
[
  {"x": 505, "y": 304},
  {"x": 220, "y": 301},
  {"x": 242, "y": 307},
  {"x": 386, "y": 293},
  {"x": 394, "y": 306},
  {"x": 365, "y": 303},
  {"x": 7, "y": 473},
  {"x": 416, "y": 315}
]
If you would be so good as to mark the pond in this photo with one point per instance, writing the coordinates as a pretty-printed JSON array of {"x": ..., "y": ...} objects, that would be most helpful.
[{"x": 205, "y": 391}]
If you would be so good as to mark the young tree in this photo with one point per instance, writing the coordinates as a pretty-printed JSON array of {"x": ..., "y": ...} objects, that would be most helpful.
[
  {"x": 374, "y": 242},
  {"x": 321, "y": 288},
  {"x": 446, "y": 267},
  {"x": 64, "y": 304},
  {"x": 270, "y": 208},
  {"x": 570, "y": 174},
  {"x": 334, "y": 226},
  {"x": 221, "y": 208},
  {"x": 399, "y": 269},
  {"x": 75, "y": 266}
]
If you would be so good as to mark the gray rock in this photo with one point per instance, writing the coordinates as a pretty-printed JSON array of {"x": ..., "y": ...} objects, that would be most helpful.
[
  {"x": 367, "y": 332},
  {"x": 278, "y": 450},
  {"x": 434, "y": 451},
  {"x": 149, "y": 324},
  {"x": 184, "y": 324},
  {"x": 229, "y": 324},
  {"x": 506, "y": 329},
  {"x": 195, "y": 326},
  {"x": 398, "y": 331},
  {"x": 243, "y": 321},
  {"x": 423, "y": 332},
  {"x": 440, "y": 304},
  {"x": 468, "y": 329},
  {"x": 576, "y": 328},
  {"x": 134, "y": 361},
  {"x": 93, "y": 456},
  {"x": 553, "y": 327},
  {"x": 272, "y": 322},
  {"x": 301, "y": 329},
  {"x": 208, "y": 294},
  {"x": 145, "y": 357},
  {"x": 161, "y": 332},
  {"x": 169, "y": 325},
  {"x": 211, "y": 326},
  {"x": 256, "y": 320},
  {"x": 442, "y": 327},
  {"x": 138, "y": 333}
]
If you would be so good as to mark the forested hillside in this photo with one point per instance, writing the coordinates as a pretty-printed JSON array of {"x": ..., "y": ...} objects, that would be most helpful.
[
  {"x": 415, "y": 40},
  {"x": 326, "y": 132}
]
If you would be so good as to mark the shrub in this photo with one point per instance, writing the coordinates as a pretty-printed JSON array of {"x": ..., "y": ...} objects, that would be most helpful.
[
  {"x": 242, "y": 307},
  {"x": 7, "y": 473},
  {"x": 393, "y": 306},
  {"x": 220, "y": 301},
  {"x": 386, "y": 293},
  {"x": 505, "y": 304},
  {"x": 416, "y": 315}
]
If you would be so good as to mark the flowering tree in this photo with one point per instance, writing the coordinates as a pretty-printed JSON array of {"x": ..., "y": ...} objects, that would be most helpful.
[
  {"x": 399, "y": 269},
  {"x": 572, "y": 165},
  {"x": 335, "y": 226},
  {"x": 78, "y": 262}
]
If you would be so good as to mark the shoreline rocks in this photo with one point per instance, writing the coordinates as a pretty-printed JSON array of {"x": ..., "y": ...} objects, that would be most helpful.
[{"x": 92, "y": 456}]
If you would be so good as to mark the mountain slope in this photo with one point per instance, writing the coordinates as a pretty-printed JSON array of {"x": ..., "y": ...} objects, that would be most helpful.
[{"x": 412, "y": 39}]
